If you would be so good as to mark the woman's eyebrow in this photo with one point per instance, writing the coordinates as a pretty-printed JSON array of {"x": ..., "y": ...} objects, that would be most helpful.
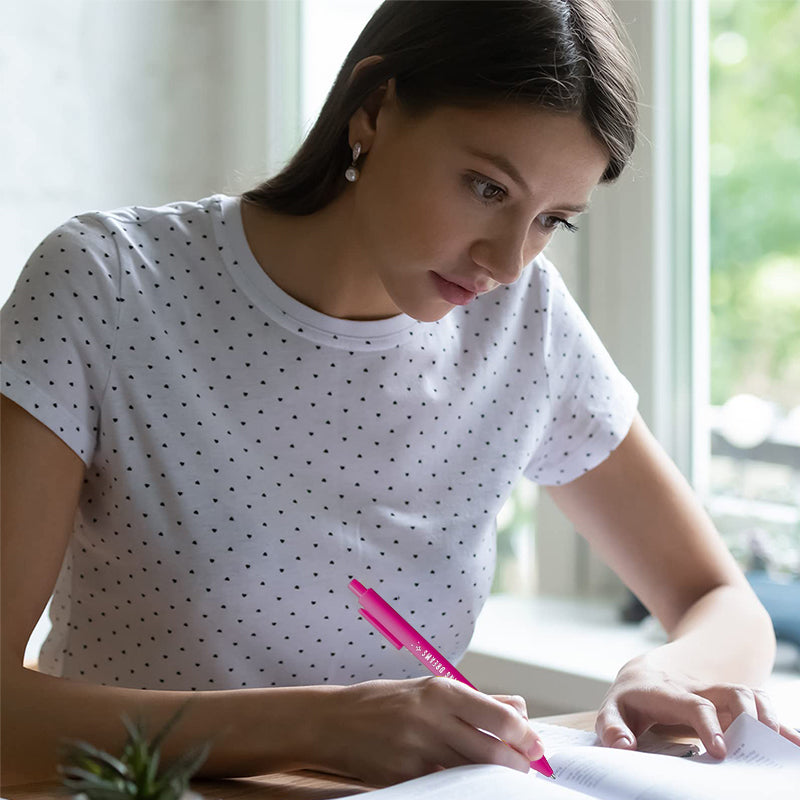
[{"x": 503, "y": 164}]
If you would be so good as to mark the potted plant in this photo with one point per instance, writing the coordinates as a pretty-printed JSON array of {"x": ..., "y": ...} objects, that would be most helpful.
[{"x": 91, "y": 774}]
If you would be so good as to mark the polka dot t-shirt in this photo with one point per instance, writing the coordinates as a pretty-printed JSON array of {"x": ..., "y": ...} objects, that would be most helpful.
[{"x": 246, "y": 456}]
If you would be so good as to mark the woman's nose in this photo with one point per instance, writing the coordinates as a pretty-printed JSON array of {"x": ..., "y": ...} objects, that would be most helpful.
[{"x": 503, "y": 257}]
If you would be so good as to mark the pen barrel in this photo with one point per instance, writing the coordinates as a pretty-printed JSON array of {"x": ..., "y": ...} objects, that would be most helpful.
[
  {"x": 408, "y": 636},
  {"x": 429, "y": 657}
]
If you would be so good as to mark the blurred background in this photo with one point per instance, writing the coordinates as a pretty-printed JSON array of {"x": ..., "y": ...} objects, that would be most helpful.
[
  {"x": 754, "y": 308},
  {"x": 689, "y": 267}
]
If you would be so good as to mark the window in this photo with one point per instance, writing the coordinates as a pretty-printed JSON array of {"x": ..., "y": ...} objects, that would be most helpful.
[
  {"x": 754, "y": 488},
  {"x": 717, "y": 171}
]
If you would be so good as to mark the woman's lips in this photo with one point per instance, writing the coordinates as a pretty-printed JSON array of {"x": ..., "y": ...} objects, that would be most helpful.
[{"x": 452, "y": 292}]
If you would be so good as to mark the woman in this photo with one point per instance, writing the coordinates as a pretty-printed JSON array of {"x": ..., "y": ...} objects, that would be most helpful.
[{"x": 216, "y": 414}]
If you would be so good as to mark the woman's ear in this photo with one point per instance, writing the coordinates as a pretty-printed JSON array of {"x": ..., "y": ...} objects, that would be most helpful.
[
  {"x": 365, "y": 62},
  {"x": 363, "y": 123}
]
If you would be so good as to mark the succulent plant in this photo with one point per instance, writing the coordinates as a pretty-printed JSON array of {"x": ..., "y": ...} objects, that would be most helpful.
[{"x": 92, "y": 774}]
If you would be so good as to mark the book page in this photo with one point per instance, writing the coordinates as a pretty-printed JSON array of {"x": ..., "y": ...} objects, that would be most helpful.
[
  {"x": 761, "y": 763},
  {"x": 750, "y": 742},
  {"x": 557, "y": 737},
  {"x": 475, "y": 782}
]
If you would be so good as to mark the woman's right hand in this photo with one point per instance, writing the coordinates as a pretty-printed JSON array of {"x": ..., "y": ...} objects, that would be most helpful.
[{"x": 384, "y": 732}]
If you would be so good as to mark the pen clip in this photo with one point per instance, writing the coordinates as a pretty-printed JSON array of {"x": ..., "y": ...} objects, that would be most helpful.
[{"x": 393, "y": 639}]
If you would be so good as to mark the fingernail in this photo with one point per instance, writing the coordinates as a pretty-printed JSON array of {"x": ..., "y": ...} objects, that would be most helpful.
[
  {"x": 719, "y": 742},
  {"x": 623, "y": 741}
]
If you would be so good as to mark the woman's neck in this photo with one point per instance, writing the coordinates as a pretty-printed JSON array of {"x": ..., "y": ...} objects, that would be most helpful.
[{"x": 317, "y": 260}]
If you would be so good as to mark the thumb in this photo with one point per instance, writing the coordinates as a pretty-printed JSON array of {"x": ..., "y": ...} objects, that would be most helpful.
[{"x": 612, "y": 731}]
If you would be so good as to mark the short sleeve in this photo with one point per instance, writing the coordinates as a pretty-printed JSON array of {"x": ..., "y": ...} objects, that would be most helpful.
[
  {"x": 591, "y": 404},
  {"x": 58, "y": 331}
]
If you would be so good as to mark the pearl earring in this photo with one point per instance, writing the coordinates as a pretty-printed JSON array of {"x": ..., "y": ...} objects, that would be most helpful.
[{"x": 351, "y": 173}]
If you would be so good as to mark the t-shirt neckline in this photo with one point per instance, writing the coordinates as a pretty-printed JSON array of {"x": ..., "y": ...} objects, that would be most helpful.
[{"x": 290, "y": 313}]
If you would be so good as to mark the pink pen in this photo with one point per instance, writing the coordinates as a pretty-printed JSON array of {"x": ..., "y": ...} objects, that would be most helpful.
[{"x": 388, "y": 622}]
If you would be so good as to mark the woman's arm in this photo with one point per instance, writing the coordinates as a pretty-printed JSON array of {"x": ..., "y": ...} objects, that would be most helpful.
[
  {"x": 641, "y": 516},
  {"x": 41, "y": 482},
  {"x": 380, "y": 731}
]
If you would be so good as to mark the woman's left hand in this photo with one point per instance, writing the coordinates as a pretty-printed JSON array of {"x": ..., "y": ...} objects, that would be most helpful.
[{"x": 644, "y": 695}]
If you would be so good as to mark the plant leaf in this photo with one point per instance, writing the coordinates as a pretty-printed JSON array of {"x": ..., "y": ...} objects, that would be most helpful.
[
  {"x": 80, "y": 751},
  {"x": 137, "y": 750},
  {"x": 84, "y": 781},
  {"x": 78, "y": 773},
  {"x": 152, "y": 771}
]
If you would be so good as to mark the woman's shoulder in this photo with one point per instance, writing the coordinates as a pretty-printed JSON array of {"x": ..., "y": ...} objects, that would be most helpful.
[
  {"x": 178, "y": 209},
  {"x": 84, "y": 260},
  {"x": 177, "y": 217},
  {"x": 96, "y": 233}
]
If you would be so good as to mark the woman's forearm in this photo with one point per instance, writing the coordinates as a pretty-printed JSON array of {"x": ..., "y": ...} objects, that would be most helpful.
[
  {"x": 380, "y": 732},
  {"x": 253, "y": 731},
  {"x": 725, "y": 636}
]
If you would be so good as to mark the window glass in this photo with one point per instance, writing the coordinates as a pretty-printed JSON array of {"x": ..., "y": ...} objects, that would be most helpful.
[{"x": 754, "y": 161}]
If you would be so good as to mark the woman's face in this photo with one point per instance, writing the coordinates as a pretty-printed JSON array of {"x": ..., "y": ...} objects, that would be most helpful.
[{"x": 457, "y": 202}]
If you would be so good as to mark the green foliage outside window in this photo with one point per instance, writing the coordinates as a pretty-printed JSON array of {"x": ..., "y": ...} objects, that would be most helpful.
[
  {"x": 754, "y": 165},
  {"x": 755, "y": 199}
]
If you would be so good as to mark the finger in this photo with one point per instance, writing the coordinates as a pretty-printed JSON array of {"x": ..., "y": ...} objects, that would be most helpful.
[
  {"x": 765, "y": 710},
  {"x": 500, "y": 720},
  {"x": 732, "y": 699},
  {"x": 791, "y": 734},
  {"x": 612, "y": 730},
  {"x": 617, "y": 724},
  {"x": 480, "y": 747},
  {"x": 534, "y": 750},
  {"x": 701, "y": 714},
  {"x": 515, "y": 701}
]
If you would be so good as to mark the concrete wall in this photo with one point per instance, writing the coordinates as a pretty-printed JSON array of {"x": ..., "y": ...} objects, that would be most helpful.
[{"x": 118, "y": 102}]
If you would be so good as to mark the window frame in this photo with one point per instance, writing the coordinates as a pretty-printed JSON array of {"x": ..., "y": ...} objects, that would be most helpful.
[{"x": 644, "y": 247}]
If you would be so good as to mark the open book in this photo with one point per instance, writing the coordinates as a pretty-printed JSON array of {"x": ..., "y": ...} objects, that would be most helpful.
[{"x": 760, "y": 764}]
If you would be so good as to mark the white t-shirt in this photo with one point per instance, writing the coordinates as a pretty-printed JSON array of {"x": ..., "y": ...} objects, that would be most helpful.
[{"x": 246, "y": 456}]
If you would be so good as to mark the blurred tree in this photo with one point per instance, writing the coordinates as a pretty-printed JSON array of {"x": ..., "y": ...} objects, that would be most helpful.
[{"x": 755, "y": 199}]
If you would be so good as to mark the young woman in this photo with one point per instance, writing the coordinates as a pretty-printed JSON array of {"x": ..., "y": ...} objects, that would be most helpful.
[{"x": 217, "y": 413}]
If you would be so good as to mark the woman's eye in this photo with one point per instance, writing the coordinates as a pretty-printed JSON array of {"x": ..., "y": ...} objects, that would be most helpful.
[
  {"x": 486, "y": 191},
  {"x": 550, "y": 223}
]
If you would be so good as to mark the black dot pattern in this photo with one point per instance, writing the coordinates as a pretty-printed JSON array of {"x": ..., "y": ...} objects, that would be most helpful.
[{"x": 247, "y": 456}]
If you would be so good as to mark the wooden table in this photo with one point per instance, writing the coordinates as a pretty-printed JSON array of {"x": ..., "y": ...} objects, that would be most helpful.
[{"x": 308, "y": 785}]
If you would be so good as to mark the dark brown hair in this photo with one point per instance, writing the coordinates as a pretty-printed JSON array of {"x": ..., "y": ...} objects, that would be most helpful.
[{"x": 562, "y": 55}]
